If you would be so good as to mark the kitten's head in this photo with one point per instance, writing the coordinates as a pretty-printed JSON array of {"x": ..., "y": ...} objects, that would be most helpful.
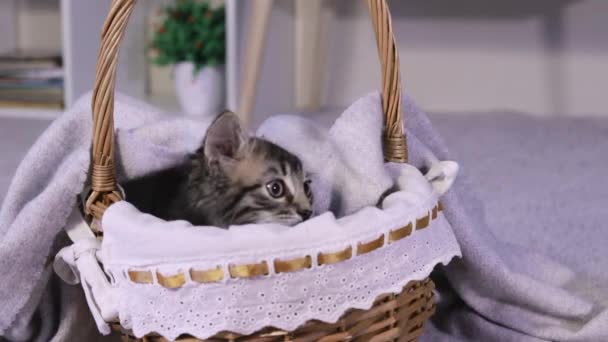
[{"x": 249, "y": 180}]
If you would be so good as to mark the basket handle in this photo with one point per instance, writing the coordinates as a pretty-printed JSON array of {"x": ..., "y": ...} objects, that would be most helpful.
[
  {"x": 395, "y": 143},
  {"x": 103, "y": 174}
]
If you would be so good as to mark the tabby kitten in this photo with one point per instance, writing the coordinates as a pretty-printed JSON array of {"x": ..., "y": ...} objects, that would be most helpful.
[{"x": 236, "y": 179}]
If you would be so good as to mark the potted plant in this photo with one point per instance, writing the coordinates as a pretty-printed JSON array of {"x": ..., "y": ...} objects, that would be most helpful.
[{"x": 192, "y": 36}]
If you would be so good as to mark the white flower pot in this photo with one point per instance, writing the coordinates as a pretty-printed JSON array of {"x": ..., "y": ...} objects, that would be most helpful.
[{"x": 200, "y": 93}]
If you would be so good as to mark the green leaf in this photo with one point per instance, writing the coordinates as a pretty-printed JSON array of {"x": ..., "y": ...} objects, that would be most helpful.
[{"x": 186, "y": 23}]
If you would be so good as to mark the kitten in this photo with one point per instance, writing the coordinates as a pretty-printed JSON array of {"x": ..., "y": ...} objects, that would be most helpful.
[{"x": 231, "y": 179}]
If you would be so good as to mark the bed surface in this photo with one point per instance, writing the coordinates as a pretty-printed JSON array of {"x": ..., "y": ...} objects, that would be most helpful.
[{"x": 543, "y": 181}]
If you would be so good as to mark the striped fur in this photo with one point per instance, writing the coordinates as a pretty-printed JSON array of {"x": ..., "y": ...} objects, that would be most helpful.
[{"x": 231, "y": 178}]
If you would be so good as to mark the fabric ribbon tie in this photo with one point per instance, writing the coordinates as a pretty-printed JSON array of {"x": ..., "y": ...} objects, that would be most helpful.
[{"x": 80, "y": 263}]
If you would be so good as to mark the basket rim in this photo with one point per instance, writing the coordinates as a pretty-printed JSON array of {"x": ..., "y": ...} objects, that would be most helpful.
[{"x": 230, "y": 259}]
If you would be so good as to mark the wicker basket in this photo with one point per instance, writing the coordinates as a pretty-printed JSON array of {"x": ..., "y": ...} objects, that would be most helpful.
[{"x": 399, "y": 317}]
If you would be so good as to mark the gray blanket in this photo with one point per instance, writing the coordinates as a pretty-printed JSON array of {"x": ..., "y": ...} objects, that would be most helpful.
[
  {"x": 43, "y": 194},
  {"x": 543, "y": 190},
  {"x": 500, "y": 290}
]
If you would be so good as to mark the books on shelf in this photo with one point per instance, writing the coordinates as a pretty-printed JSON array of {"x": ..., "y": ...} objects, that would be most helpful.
[
  {"x": 31, "y": 80},
  {"x": 22, "y": 59}
]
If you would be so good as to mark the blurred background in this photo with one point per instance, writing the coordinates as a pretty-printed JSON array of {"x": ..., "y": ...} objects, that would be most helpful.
[{"x": 543, "y": 58}]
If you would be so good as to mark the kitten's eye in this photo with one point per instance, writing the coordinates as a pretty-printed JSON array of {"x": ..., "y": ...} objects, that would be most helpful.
[
  {"x": 307, "y": 190},
  {"x": 276, "y": 188}
]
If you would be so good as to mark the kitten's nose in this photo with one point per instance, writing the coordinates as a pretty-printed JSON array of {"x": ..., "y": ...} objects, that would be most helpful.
[{"x": 306, "y": 214}]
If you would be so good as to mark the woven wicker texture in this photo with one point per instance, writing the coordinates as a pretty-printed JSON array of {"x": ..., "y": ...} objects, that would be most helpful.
[
  {"x": 393, "y": 317},
  {"x": 395, "y": 146},
  {"x": 103, "y": 175}
]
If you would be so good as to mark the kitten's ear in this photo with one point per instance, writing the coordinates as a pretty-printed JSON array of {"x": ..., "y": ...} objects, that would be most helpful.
[{"x": 225, "y": 137}]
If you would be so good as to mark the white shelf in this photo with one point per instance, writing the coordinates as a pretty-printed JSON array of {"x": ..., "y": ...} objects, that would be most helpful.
[
  {"x": 30, "y": 113},
  {"x": 81, "y": 23}
]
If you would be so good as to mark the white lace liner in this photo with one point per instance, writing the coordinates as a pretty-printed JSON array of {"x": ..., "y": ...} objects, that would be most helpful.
[{"x": 136, "y": 241}]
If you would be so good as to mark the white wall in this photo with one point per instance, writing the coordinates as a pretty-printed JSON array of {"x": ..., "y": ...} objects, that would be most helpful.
[
  {"x": 275, "y": 89},
  {"x": 585, "y": 60},
  {"x": 8, "y": 26},
  {"x": 81, "y": 24},
  {"x": 38, "y": 25},
  {"x": 544, "y": 57},
  {"x": 30, "y": 25},
  {"x": 466, "y": 62}
]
